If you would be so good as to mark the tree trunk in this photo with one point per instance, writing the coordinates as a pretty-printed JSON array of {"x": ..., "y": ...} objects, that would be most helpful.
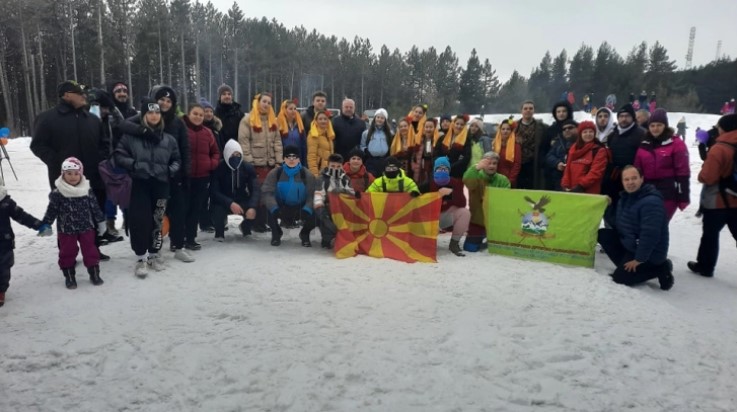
[
  {"x": 29, "y": 95},
  {"x": 41, "y": 72},
  {"x": 198, "y": 85},
  {"x": 5, "y": 90},
  {"x": 209, "y": 74},
  {"x": 34, "y": 85},
  {"x": 184, "y": 72},
  {"x": 161, "y": 59},
  {"x": 74, "y": 49},
  {"x": 101, "y": 43},
  {"x": 235, "y": 78}
]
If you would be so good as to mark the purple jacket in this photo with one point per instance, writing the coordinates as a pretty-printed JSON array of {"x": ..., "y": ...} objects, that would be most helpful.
[{"x": 664, "y": 164}]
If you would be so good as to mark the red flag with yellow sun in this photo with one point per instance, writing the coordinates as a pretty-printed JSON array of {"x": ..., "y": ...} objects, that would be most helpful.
[{"x": 391, "y": 225}]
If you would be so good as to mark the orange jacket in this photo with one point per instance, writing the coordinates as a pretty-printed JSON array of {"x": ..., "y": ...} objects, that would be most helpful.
[{"x": 719, "y": 164}]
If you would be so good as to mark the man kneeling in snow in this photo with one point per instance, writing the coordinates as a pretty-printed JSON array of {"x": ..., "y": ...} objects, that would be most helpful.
[
  {"x": 333, "y": 179},
  {"x": 234, "y": 190},
  {"x": 638, "y": 243}
]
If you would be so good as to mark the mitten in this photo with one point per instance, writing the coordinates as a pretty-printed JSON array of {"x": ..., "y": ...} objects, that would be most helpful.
[{"x": 45, "y": 230}]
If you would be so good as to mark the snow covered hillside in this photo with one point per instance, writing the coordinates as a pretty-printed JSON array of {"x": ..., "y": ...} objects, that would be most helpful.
[{"x": 251, "y": 327}]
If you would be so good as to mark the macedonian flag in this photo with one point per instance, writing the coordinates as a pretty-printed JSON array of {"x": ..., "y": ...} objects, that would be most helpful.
[{"x": 392, "y": 225}]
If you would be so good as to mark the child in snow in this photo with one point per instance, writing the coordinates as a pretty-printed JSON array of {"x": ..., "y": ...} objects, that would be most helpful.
[
  {"x": 79, "y": 220},
  {"x": 333, "y": 179},
  {"x": 9, "y": 209}
]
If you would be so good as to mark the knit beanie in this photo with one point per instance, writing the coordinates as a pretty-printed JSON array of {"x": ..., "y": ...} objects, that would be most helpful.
[
  {"x": 224, "y": 88},
  {"x": 355, "y": 152},
  {"x": 441, "y": 161},
  {"x": 728, "y": 122},
  {"x": 627, "y": 108},
  {"x": 205, "y": 104},
  {"x": 586, "y": 125},
  {"x": 382, "y": 112},
  {"x": 392, "y": 161},
  {"x": 148, "y": 104},
  {"x": 659, "y": 116},
  {"x": 291, "y": 150}
]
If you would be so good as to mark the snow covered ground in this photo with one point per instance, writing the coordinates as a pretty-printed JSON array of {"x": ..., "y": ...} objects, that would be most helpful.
[{"x": 251, "y": 327}]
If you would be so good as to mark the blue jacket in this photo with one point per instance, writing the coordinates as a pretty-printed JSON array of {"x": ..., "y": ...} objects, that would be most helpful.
[
  {"x": 379, "y": 144},
  {"x": 558, "y": 153},
  {"x": 642, "y": 225},
  {"x": 285, "y": 186}
]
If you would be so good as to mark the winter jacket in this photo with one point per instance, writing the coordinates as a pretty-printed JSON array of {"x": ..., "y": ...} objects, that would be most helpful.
[
  {"x": 536, "y": 132},
  {"x": 230, "y": 115},
  {"x": 203, "y": 149},
  {"x": 215, "y": 125},
  {"x": 558, "y": 153},
  {"x": 235, "y": 186},
  {"x": 477, "y": 181},
  {"x": 348, "y": 132},
  {"x": 479, "y": 145},
  {"x": 459, "y": 158},
  {"x": 10, "y": 210},
  {"x": 623, "y": 146},
  {"x": 295, "y": 138},
  {"x": 307, "y": 117},
  {"x": 664, "y": 164},
  {"x": 642, "y": 225},
  {"x": 174, "y": 126},
  {"x": 399, "y": 184},
  {"x": 318, "y": 150},
  {"x": 125, "y": 108},
  {"x": 456, "y": 198},
  {"x": 113, "y": 128},
  {"x": 510, "y": 169},
  {"x": 73, "y": 215},
  {"x": 326, "y": 184},
  {"x": 554, "y": 131},
  {"x": 148, "y": 154},
  {"x": 63, "y": 132},
  {"x": 585, "y": 168},
  {"x": 603, "y": 134},
  {"x": 262, "y": 148},
  {"x": 379, "y": 144},
  {"x": 361, "y": 180},
  {"x": 295, "y": 187},
  {"x": 719, "y": 164}
]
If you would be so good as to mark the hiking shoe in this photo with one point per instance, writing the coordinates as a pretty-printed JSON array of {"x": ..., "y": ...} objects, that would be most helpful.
[
  {"x": 155, "y": 262},
  {"x": 183, "y": 255},
  {"x": 111, "y": 238},
  {"x": 70, "y": 279},
  {"x": 95, "y": 278},
  {"x": 220, "y": 239},
  {"x": 104, "y": 257},
  {"x": 193, "y": 246},
  {"x": 141, "y": 270},
  {"x": 696, "y": 268}
]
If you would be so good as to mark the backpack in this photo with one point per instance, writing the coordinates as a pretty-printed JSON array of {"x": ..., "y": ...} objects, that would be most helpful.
[{"x": 728, "y": 185}]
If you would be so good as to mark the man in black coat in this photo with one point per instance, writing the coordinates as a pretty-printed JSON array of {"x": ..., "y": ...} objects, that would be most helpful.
[
  {"x": 319, "y": 104},
  {"x": 623, "y": 143},
  {"x": 119, "y": 92},
  {"x": 348, "y": 129},
  {"x": 229, "y": 112}
]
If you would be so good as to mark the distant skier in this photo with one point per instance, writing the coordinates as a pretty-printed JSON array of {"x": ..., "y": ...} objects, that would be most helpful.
[
  {"x": 642, "y": 99},
  {"x": 653, "y": 102},
  {"x": 681, "y": 128},
  {"x": 611, "y": 102}
]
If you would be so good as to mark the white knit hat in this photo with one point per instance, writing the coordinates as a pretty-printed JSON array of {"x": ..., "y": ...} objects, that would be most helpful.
[{"x": 382, "y": 112}]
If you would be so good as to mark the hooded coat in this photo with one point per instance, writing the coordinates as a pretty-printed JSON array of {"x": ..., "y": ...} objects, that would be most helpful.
[
  {"x": 585, "y": 168},
  {"x": 603, "y": 134},
  {"x": 148, "y": 154},
  {"x": 719, "y": 164},
  {"x": 555, "y": 130},
  {"x": 664, "y": 164},
  {"x": 231, "y": 116},
  {"x": 126, "y": 109},
  {"x": 10, "y": 210},
  {"x": 235, "y": 185},
  {"x": 175, "y": 127}
]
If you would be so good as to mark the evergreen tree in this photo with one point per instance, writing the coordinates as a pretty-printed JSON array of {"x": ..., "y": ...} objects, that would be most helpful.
[
  {"x": 512, "y": 93},
  {"x": 581, "y": 72},
  {"x": 446, "y": 76},
  {"x": 471, "y": 93},
  {"x": 559, "y": 74},
  {"x": 540, "y": 82}
]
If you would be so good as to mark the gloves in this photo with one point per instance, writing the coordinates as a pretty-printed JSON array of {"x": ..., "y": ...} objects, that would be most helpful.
[
  {"x": 682, "y": 205},
  {"x": 101, "y": 228},
  {"x": 274, "y": 210},
  {"x": 577, "y": 189},
  {"x": 307, "y": 210},
  {"x": 358, "y": 194},
  {"x": 148, "y": 133},
  {"x": 45, "y": 230},
  {"x": 702, "y": 136},
  {"x": 414, "y": 193}
]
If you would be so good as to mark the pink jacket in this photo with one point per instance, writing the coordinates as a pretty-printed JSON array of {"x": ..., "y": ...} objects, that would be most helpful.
[{"x": 664, "y": 163}]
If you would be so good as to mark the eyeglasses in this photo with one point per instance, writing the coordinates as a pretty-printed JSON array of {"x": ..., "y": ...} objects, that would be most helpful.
[
  {"x": 291, "y": 156},
  {"x": 391, "y": 168},
  {"x": 568, "y": 128},
  {"x": 154, "y": 107},
  {"x": 120, "y": 90}
]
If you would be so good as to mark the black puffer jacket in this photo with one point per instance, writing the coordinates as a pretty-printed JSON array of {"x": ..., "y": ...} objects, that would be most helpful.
[
  {"x": 64, "y": 131},
  {"x": 148, "y": 154},
  {"x": 10, "y": 210},
  {"x": 230, "y": 115},
  {"x": 175, "y": 126}
]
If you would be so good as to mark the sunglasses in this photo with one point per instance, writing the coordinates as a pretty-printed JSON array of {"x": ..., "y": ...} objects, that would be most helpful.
[
  {"x": 569, "y": 128},
  {"x": 154, "y": 107},
  {"x": 391, "y": 168},
  {"x": 291, "y": 156}
]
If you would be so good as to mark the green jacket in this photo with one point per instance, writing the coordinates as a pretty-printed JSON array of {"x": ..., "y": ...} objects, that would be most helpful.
[
  {"x": 477, "y": 181},
  {"x": 401, "y": 183}
]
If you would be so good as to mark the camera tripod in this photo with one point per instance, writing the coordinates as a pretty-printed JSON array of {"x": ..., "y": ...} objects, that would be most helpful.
[{"x": 4, "y": 132}]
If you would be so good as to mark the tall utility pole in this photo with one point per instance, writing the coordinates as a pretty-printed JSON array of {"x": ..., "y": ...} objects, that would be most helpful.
[
  {"x": 689, "y": 55},
  {"x": 719, "y": 50}
]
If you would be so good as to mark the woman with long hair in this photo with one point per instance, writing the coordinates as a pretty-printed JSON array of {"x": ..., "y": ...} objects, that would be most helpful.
[
  {"x": 510, "y": 152},
  {"x": 402, "y": 146},
  {"x": 456, "y": 145},
  {"x": 376, "y": 141},
  {"x": 292, "y": 129},
  {"x": 320, "y": 143},
  {"x": 422, "y": 162}
]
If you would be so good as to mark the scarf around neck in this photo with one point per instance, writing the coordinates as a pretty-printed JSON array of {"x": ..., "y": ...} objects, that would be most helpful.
[
  {"x": 284, "y": 123},
  {"x": 457, "y": 141},
  {"x": 254, "y": 117},
  {"x": 82, "y": 189},
  {"x": 511, "y": 144},
  {"x": 315, "y": 130}
]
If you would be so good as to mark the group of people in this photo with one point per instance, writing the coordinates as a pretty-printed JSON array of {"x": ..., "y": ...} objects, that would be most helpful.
[{"x": 278, "y": 169}]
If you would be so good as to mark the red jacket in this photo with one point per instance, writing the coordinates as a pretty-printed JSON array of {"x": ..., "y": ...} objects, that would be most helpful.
[
  {"x": 718, "y": 164},
  {"x": 510, "y": 169},
  {"x": 585, "y": 168},
  {"x": 457, "y": 198},
  {"x": 361, "y": 180},
  {"x": 204, "y": 149}
]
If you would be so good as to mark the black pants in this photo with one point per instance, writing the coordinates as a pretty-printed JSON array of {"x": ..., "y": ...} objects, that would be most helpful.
[
  {"x": 7, "y": 260},
  {"x": 526, "y": 176},
  {"x": 206, "y": 214},
  {"x": 175, "y": 210},
  {"x": 146, "y": 214},
  {"x": 714, "y": 221},
  {"x": 199, "y": 191},
  {"x": 294, "y": 213},
  {"x": 328, "y": 230},
  {"x": 375, "y": 165},
  {"x": 220, "y": 216},
  {"x": 609, "y": 240}
]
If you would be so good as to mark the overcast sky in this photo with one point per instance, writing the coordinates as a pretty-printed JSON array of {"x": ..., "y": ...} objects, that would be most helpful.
[{"x": 514, "y": 34}]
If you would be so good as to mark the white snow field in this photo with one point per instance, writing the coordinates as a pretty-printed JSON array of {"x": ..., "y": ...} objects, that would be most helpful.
[{"x": 251, "y": 327}]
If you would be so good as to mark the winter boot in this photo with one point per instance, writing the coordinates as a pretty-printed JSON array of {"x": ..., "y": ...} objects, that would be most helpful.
[
  {"x": 141, "y": 270},
  {"x": 156, "y": 263},
  {"x": 666, "y": 279},
  {"x": 70, "y": 278},
  {"x": 183, "y": 255},
  {"x": 696, "y": 268},
  {"x": 110, "y": 223},
  {"x": 245, "y": 229},
  {"x": 94, "y": 272},
  {"x": 455, "y": 248},
  {"x": 305, "y": 238},
  {"x": 276, "y": 236},
  {"x": 103, "y": 257},
  {"x": 2, "y": 299},
  {"x": 108, "y": 237},
  {"x": 193, "y": 245}
]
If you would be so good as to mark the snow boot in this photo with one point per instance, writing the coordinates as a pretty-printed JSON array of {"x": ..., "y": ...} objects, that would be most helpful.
[
  {"x": 276, "y": 236},
  {"x": 2, "y": 299},
  {"x": 455, "y": 248},
  {"x": 183, "y": 255},
  {"x": 193, "y": 246},
  {"x": 141, "y": 270},
  {"x": 70, "y": 278},
  {"x": 245, "y": 229},
  {"x": 155, "y": 262},
  {"x": 305, "y": 238},
  {"x": 696, "y": 268},
  {"x": 666, "y": 279},
  {"x": 110, "y": 224},
  {"x": 94, "y": 272}
]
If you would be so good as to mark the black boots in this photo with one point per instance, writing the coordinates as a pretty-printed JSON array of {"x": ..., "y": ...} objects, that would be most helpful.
[
  {"x": 95, "y": 278},
  {"x": 696, "y": 268},
  {"x": 455, "y": 248},
  {"x": 70, "y": 279},
  {"x": 305, "y": 238}
]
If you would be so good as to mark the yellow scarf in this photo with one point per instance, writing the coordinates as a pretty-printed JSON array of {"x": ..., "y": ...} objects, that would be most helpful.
[
  {"x": 416, "y": 136},
  {"x": 459, "y": 141},
  {"x": 398, "y": 148},
  {"x": 282, "y": 120},
  {"x": 511, "y": 144},
  {"x": 254, "y": 117},
  {"x": 315, "y": 130}
]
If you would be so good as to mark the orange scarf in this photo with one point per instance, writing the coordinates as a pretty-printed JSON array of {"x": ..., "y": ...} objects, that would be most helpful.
[
  {"x": 459, "y": 140},
  {"x": 416, "y": 137},
  {"x": 315, "y": 131},
  {"x": 254, "y": 117},
  {"x": 398, "y": 148},
  {"x": 282, "y": 120},
  {"x": 511, "y": 144}
]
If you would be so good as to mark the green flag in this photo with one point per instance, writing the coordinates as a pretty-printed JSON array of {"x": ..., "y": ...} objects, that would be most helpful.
[{"x": 558, "y": 227}]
